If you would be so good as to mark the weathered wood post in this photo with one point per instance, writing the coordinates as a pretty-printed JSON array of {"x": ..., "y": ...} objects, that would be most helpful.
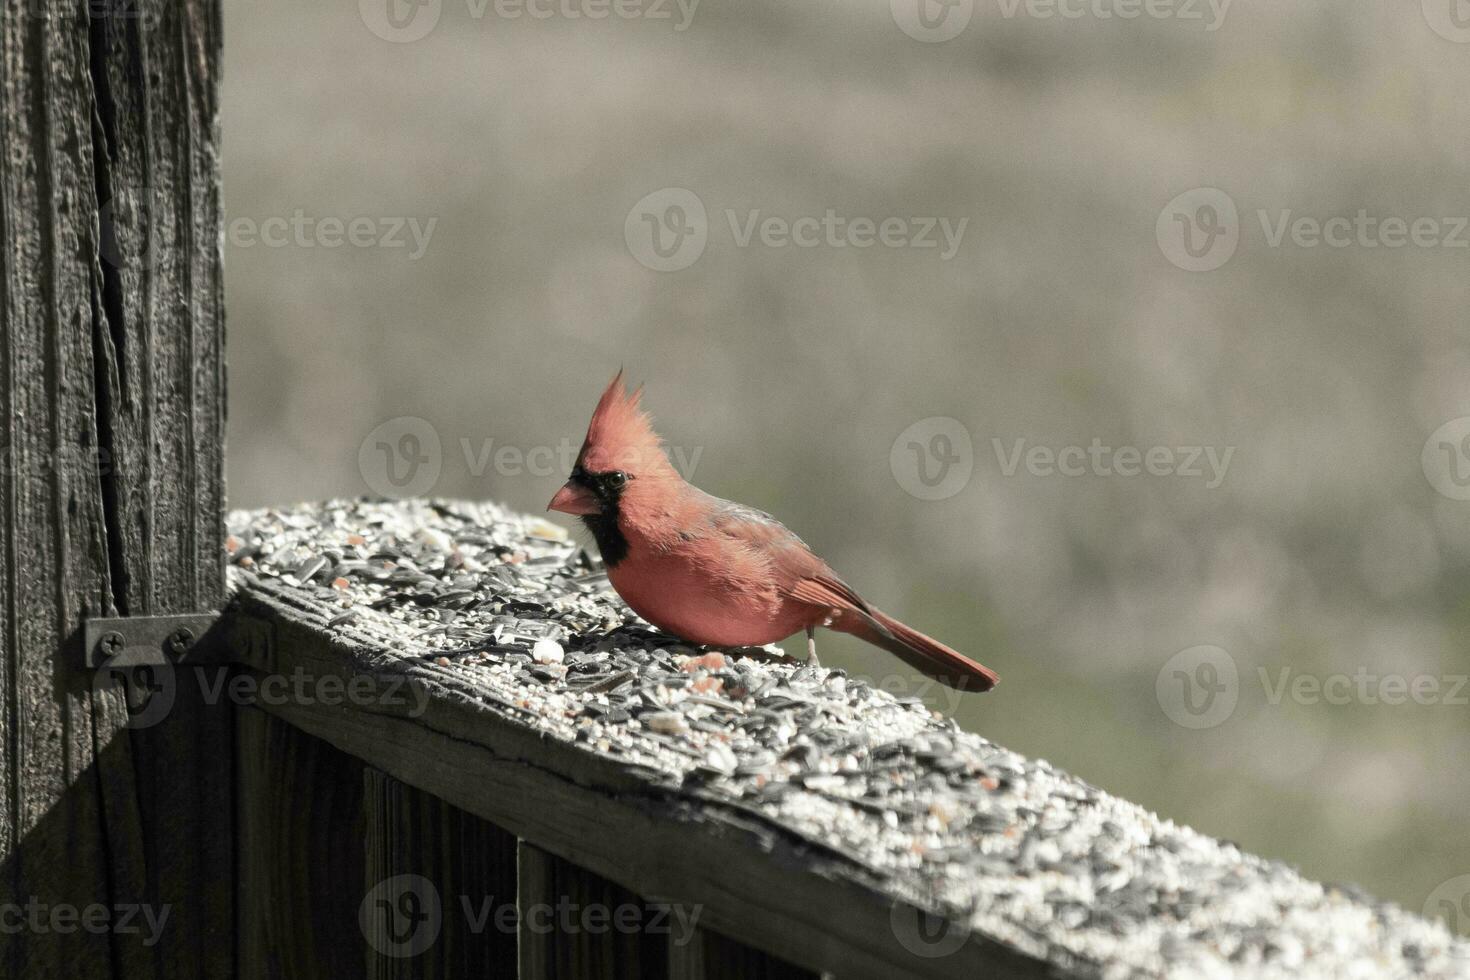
[{"x": 112, "y": 487}]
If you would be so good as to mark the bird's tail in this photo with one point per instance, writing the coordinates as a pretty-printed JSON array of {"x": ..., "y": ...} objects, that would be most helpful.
[{"x": 925, "y": 654}]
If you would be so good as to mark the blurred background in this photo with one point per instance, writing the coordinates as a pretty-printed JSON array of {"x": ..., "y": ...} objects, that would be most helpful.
[{"x": 452, "y": 221}]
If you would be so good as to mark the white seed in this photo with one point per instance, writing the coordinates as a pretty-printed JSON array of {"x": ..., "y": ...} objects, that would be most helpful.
[
  {"x": 666, "y": 722},
  {"x": 547, "y": 652}
]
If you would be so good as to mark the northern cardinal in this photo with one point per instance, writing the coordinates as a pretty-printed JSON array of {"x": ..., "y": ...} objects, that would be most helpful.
[{"x": 713, "y": 572}]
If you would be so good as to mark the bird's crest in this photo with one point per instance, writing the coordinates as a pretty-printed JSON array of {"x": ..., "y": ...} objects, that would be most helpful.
[{"x": 621, "y": 436}]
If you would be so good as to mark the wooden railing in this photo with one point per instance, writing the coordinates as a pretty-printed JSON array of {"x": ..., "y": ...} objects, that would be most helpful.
[
  {"x": 426, "y": 740},
  {"x": 473, "y": 732}
]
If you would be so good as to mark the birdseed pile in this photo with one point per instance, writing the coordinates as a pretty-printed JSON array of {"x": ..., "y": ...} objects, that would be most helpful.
[{"x": 522, "y": 619}]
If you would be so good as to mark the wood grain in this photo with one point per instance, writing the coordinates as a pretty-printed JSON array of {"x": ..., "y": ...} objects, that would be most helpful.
[
  {"x": 711, "y": 956},
  {"x": 112, "y": 481},
  {"x": 301, "y": 853},
  {"x": 575, "y": 924},
  {"x": 463, "y": 866}
]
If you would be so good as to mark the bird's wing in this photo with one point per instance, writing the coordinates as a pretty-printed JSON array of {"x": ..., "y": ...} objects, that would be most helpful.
[
  {"x": 749, "y": 524},
  {"x": 800, "y": 573},
  {"x": 827, "y": 590}
]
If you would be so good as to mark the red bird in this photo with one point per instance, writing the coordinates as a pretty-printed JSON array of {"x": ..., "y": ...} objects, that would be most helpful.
[{"x": 713, "y": 572}]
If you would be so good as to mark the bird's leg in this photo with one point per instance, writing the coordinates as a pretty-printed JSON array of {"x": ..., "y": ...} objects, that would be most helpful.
[{"x": 811, "y": 647}]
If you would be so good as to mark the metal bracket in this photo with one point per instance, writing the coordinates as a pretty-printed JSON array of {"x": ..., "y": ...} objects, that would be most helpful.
[{"x": 136, "y": 641}]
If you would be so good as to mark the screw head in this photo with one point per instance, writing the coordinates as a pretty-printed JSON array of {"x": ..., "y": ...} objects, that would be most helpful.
[
  {"x": 111, "y": 643},
  {"x": 179, "y": 640}
]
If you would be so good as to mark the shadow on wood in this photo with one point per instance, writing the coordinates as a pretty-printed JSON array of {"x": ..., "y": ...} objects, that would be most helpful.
[
  {"x": 301, "y": 869},
  {"x": 440, "y": 883}
]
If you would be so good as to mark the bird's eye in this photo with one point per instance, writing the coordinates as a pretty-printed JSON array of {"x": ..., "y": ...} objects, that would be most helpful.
[{"x": 616, "y": 479}]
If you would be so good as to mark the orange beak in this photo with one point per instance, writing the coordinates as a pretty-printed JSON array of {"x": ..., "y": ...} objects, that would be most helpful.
[{"x": 574, "y": 499}]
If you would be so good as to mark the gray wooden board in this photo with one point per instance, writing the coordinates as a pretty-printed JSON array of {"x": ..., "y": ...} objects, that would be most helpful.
[{"x": 806, "y": 813}]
